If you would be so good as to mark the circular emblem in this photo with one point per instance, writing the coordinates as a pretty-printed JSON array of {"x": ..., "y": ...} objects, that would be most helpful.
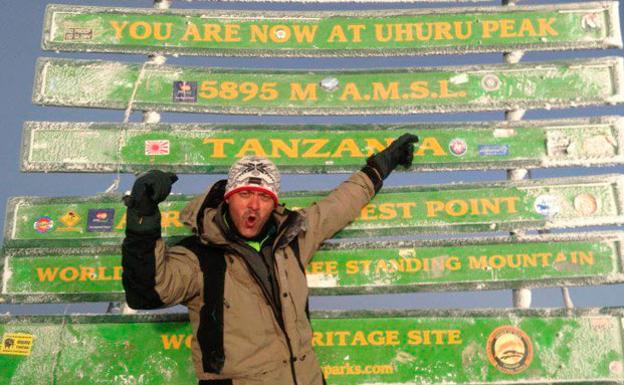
[
  {"x": 490, "y": 82},
  {"x": 458, "y": 147},
  {"x": 585, "y": 204},
  {"x": 509, "y": 349},
  {"x": 547, "y": 205},
  {"x": 43, "y": 224}
]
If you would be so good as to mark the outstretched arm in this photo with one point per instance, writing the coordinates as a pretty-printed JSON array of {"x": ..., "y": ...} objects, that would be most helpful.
[{"x": 345, "y": 203}]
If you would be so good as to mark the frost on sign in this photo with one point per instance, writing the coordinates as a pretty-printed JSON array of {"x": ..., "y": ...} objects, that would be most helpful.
[
  {"x": 82, "y": 83},
  {"x": 356, "y": 33},
  {"x": 90, "y": 274},
  {"x": 544, "y": 203},
  {"x": 205, "y": 148},
  {"x": 457, "y": 347}
]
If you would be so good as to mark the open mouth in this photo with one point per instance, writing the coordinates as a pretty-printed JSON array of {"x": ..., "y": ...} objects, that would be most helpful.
[{"x": 251, "y": 220}]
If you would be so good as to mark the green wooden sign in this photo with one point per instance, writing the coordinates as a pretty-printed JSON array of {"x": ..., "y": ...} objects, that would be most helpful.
[
  {"x": 94, "y": 274},
  {"x": 546, "y": 203},
  {"x": 497, "y": 347},
  {"x": 358, "y": 33},
  {"x": 204, "y": 148},
  {"x": 149, "y": 86}
]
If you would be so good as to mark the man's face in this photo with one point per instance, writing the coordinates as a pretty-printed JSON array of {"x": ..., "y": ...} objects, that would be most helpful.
[{"x": 249, "y": 211}]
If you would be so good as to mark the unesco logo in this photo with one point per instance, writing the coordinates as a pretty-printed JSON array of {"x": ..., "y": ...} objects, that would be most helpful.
[{"x": 509, "y": 349}]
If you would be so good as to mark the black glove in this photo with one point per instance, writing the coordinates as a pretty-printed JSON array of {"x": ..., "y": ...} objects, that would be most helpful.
[
  {"x": 399, "y": 152},
  {"x": 150, "y": 188},
  {"x": 215, "y": 195}
]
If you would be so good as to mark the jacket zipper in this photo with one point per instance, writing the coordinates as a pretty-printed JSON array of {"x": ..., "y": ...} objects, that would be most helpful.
[{"x": 279, "y": 318}]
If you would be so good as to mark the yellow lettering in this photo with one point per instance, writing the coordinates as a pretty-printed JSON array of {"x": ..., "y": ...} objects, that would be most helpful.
[
  {"x": 253, "y": 146},
  {"x": 158, "y": 32},
  {"x": 443, "y": 31},
  {"x": 305, "y": 32},
  {"x": 291, "y": 151},
  {"x": 69, "y": 274},
  {"x": 507, "y": 28},
  {"x": 298, "y": 93},
  {"x": 337, "y": 33},
  {"x": 406, "y": 206},
  {"x": 211, "y": 33},
  {"x": 122, "y": 222},
  {"x": 348, "y": 145},
  {"x": 526, "y": 28},
  {"x": 219, "y": 146},
  {"x": 430, "y": 144},
  {"x": 373, "y": 145},
  {"x": 170, "y": 218},
  {"x": 173, "y": 341},
  {"x": 316, "y": 146},
  {"x": 101, "y": 274},
  {"x": 87, "y": 273},
  {"x": 382, "y": 93},
  {"x": 461, "y": 35},
  {"x": 118, "y": 28},
  {"x": 489, "y": 27},
  {"x": 231, "y": 33},
  {"x": 47, "y": 274},
  {"x": 585, "y": 258},
  {"x": 367, "y": 212},
  {"x": 475, "y": 263},
  {"x": 356, "y": 32},
  {"x": 351, "y": 90},
  {"x": 191, "y": 32},
  {"x": 462, "y": 207},
  {"x": 546, "y": 28},
  {"x": 352, "y": 267},
  {"x": 259, "y": 34},
  {"x": 387, "y": 211},
  {"x": 511, "y": 204},
  {"x": 433, "y": 207},
  {"x": 140, "y": 30},
  {"x": 379, "y": 32},
  {"x": 420, "y": 89}
]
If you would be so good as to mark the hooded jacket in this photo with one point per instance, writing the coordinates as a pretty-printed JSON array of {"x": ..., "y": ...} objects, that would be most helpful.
[{"x": 241, "y": 335}]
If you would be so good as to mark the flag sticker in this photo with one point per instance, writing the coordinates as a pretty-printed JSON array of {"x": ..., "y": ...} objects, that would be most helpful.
[
  {"x": 156, "y": 147},
  {"x": 16, "y": 344},
  {"x": 185, "y": 92}
]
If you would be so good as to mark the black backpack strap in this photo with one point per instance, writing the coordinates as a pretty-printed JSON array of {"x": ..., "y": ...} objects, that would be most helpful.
[
  {"x": 294, "y": 246},
  {"x": 210, "y": 330}
]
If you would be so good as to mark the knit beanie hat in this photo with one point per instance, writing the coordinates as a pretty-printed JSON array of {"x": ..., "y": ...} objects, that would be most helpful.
[{"x": 253, "y": 173}]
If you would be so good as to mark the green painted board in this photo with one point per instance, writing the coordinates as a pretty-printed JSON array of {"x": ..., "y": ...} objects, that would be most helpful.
[
  {"x": 451, "y": 347},
  {"x": 335, "y": 33},
  {"x": 205, "y": 148},
  {"x": 531, "y": 204},
  {"x": 149, "y": 86},
  {"x": 94, "y": 274}
]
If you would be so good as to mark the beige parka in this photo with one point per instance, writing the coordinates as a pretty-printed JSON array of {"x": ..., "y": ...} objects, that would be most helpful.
[{"x": 259, "y": 349}]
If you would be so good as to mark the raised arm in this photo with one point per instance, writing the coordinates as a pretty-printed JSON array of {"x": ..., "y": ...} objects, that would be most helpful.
[
  {"x": 343, "y": 205},
  {"x": 153, "y": 276}
]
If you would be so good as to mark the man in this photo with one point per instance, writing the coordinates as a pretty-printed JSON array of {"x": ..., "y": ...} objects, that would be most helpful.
[{"x": 242, "y": 273}]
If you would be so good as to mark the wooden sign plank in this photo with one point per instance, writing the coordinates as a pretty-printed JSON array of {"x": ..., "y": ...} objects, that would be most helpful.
[
  {"x": 531, "y": 204},
  {"x": 335, "y": 33},
  {"x": 207, "y": 148},
  {"x": 94, "y": 274},
  {"x": 408, "y": 348},
  {"x": 116, "y": 85}
]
